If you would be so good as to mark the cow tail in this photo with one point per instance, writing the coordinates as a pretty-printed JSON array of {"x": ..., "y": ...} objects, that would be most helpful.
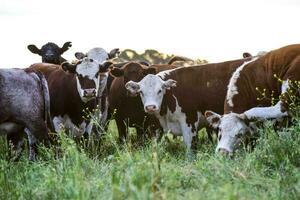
[{"x": 46, "y": 95}]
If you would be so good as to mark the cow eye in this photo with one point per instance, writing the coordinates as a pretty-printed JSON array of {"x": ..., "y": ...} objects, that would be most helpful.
[
  {"x": 91, "y": 60},
  {"x": 159, "y": 91}
]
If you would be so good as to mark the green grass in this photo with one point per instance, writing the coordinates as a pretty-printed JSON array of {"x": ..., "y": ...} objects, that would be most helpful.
[{"x": 156, "y": 170}]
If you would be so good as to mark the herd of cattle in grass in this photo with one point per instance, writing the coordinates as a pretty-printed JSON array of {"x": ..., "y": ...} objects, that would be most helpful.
[{"x": 154, "y": 98}]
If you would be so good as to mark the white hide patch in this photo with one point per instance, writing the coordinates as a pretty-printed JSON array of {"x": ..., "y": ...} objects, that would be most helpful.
[
  {"x": 163, "y": 74},
  {"x": 175, "y": 122},
  {"x": 232, "y": 88},
  {"x": 98, "y": 54},
  {"x": 272, "y": 112},
  {"x": 61, "y": 123}
]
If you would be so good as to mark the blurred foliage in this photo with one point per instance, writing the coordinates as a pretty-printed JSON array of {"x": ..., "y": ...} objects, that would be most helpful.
[{"x": 154, "y": 57}]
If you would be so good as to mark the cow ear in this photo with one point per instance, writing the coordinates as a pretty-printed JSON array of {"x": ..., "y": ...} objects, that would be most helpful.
[
  {"x": 246, "y": 55},
  {"x": 104, "y": 67},
  {"x": 65, "y": 47},
  {"x": 132, "y": 87},
  {"x": 68, "y": 67},
  {"x": 116, "y": 72},
  {"x": 150, "y": 70},
  {"x": 168, "y": 84},
  {"x": 213, "y": 118},
  {"x": 34, "y": 49},
  {"x": 80, "y": 55},
  {"x": 113, "y": 53}
]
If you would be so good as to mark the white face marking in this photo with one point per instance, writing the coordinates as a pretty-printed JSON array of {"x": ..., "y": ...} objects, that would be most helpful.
[
  {"x": 232, "y": 88},
  {"x": 98, "y": 54},
  {"x": 88, "y": 69},
  {"x": 231, "y": 128},
  {"x": 269, "y": 112},
  {"x": 152, "y": 91}
]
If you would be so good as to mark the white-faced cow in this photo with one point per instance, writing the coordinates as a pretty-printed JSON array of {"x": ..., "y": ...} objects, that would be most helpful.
[
  {"x": 25, "y": 104},
  {"x": 50, "y": 52},
  {"x": 242, "y": 103},
  {"x": 178, "y": 97},
  {"x": 74, "y": 88},
  {"x": 99, "y": 55},
  {"x": 128, "y": 108}
]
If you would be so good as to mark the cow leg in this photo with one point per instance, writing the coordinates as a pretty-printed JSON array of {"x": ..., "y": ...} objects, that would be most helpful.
[
  {"x": 275, "y": 111},
  {"x": 121, "y": 128},
  {"x": 187, "y": 138},
  {"x": 36, "y": 131},
  {"x": 140, "y": 133}
]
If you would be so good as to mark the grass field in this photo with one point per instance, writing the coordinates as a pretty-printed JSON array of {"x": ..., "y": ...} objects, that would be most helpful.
[{"x": 156, "y": 170}]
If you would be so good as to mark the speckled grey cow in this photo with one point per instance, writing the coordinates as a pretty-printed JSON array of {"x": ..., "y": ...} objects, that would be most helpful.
[{"x": 24, "y": 106}]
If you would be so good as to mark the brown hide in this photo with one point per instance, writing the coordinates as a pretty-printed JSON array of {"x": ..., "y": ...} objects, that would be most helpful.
[
  {"x": 199, "y": 88},
  {"x": 284, "y": 62},
  {"x": 64, "y": 97}
]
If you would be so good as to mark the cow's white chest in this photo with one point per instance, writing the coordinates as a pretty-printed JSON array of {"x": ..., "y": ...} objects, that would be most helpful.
[{"x": 172, "y": 121}]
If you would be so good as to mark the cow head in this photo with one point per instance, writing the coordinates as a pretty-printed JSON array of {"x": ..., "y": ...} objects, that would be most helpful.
[
  {"x": 90, "y": 77},
  {"x": 50, "y": 52},
  {"x": 98, "y": 54},
  {"x": 232, "y": 128},
  {"x": 151, "y": 89},
  {"x": 132, "y": 71}
]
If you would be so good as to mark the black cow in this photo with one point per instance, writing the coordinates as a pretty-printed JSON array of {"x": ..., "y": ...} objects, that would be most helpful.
[{"x": 50, "y": 52}]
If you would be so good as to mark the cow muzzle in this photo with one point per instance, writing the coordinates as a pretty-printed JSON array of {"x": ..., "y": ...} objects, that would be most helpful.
[
  {"x": 89, "y": 93},
  {"x": 151, "y": 108}
]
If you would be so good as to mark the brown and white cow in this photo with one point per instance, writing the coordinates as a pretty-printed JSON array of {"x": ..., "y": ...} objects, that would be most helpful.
[
  {"x": 99, "y": 55},
  {"x": 129, "y": 108},
  {"x": 178, "y": 97},
  {"x": 242, "y": 103},
  {"x": 74, "y": 88}
]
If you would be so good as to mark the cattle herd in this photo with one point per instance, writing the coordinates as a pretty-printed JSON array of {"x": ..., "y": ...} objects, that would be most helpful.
[{"x": 154, "y": 99}]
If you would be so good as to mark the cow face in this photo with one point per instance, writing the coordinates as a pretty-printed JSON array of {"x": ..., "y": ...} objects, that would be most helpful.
[
  {"x": 50, "y": 52},
  {"x": 231, "y": 128},
  {"x": 90, "y": 75},
  {"x": 151, "y": 89}
]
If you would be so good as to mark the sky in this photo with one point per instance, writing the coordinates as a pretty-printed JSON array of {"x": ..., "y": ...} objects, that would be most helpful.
[{"x": 215, "y": 30}]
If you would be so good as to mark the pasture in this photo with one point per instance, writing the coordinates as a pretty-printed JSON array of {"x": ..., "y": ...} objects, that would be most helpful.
[{"x": 156, "y": 170}]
